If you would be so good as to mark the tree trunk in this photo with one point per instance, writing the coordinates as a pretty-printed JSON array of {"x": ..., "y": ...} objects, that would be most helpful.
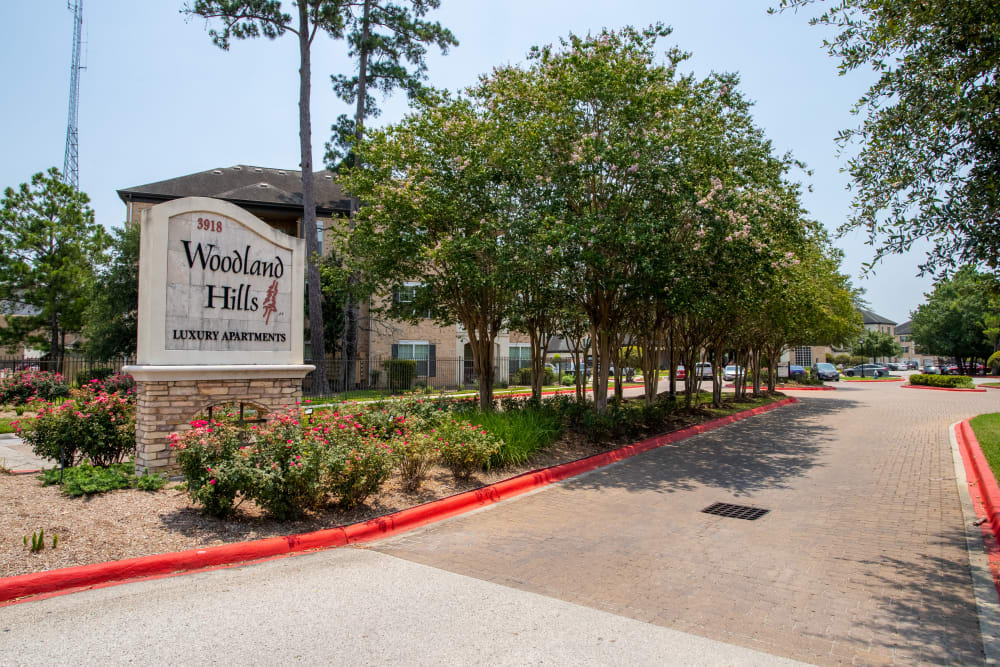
[
  {"x": 320, "y": 384},
  {"x": 602, "y": 357},
  {"x": 350, "y": 352},
  {"x": 482, "y": 360}
]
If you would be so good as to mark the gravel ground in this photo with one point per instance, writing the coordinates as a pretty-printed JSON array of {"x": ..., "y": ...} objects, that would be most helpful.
[{"x": 131, "y": 523}]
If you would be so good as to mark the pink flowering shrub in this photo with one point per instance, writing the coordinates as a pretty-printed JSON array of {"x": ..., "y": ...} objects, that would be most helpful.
[
  {"x": 216, "y": 473},
  {"x": 100, "y": 429},
  {"x": 122, "y": 384},
  {"x": 285, "y": 466},
  {"x": 23, "y": 386},
  {"x": 465, "y": 447}
]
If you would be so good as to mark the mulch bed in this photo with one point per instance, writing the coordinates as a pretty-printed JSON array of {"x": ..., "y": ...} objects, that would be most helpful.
[{"x": 132, "y": 523}]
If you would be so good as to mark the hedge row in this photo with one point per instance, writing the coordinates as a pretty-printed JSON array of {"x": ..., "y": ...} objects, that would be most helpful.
[{"x": 950, "y": 381}]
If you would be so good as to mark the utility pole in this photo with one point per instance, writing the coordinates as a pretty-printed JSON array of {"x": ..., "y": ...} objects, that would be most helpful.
[{"x": 71, "y": 163}]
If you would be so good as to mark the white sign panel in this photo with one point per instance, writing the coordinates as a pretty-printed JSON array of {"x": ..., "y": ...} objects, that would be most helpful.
[
  {"x": 218, "y": 286},
  {"x": 227, "y": 288}
]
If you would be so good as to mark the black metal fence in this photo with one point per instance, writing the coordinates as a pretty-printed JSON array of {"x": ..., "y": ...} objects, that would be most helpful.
[
  {"x": 372, "y": 377},
  {"x": 366, "y": 378},
  {"x": 74, "y": 369}
]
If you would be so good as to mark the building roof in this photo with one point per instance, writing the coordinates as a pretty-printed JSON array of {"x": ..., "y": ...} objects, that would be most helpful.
[
  {"x": 904, "y": 328},
  {"x": 868, "y": 317},
  {"x": 246, "y": 185}
]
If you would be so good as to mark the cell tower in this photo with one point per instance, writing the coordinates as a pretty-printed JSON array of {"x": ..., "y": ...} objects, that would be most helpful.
[{"x": 71, "y": 163}]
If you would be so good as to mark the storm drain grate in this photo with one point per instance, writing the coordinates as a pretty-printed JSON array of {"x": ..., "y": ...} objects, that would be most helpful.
[{"x": 735, "y": 511}]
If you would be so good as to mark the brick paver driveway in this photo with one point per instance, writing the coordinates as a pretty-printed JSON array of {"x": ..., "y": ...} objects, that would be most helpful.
[{"x": 862, "y": 557}]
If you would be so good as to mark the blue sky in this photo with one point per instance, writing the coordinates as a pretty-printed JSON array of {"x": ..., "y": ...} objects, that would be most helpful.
[{"x": 158, "y": 100}]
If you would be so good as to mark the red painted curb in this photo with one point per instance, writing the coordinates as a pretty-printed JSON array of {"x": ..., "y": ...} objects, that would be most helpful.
[
  {"x": 984, "y": 492},
  {"x": 848, "y": 378},
  {"x": 86, "y": 576},
  {"x": 986, "y": 386},
  {"x": 921, "y": 386},
  {"x": 784, "y": 388}
]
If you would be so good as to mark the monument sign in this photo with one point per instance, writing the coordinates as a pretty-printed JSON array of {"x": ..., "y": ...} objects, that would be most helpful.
[{"x": 220, "y": 318}]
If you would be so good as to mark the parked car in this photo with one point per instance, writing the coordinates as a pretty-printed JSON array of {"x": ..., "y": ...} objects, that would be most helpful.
[
  {"x": 796, "y": 372},
  {"x": 949, "y": 369},
  {"x": 932, "y": 370},
  {"x": 681, "y": 373},
  {"x": 867, "y": 370},
  {"x": 730, "y": 372},
  {"x": 826, "y": 372},
  {"x": 913, "y": 366},
  {"x": 703, "y": 370}
]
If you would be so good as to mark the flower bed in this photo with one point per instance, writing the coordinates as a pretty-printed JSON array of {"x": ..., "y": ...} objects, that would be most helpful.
[{"x": 131, "y": 523}]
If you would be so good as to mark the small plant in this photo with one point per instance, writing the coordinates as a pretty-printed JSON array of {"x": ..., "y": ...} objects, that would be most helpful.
[
  {"x": 37, "y": 541},
  {"x": 18, "y": 410}
]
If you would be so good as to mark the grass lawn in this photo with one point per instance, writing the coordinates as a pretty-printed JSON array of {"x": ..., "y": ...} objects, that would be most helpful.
[
  {"x": 990, "y": 384},
  {"x": 987, "y": 430},
  {"x": 5, "y": 426}
]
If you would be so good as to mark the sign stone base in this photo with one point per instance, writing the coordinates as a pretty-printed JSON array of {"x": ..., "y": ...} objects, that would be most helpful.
[{"x": 169, "y": 397}]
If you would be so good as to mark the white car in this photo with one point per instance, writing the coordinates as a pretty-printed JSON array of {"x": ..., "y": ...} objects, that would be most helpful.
[
  {"x": 729, "y": 374},
  {"x": 703, "y": 370}
]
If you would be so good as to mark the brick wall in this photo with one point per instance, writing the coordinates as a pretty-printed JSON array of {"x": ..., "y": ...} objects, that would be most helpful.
[{"x": 164, "y": 407}]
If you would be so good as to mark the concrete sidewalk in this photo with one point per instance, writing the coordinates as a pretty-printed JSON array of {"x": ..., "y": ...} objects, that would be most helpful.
[{"x": 17, "y": 456}]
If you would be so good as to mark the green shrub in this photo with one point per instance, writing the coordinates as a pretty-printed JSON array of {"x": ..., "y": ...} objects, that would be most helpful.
[
  {"x": 523, "y": 376},
  {"x": 948, "y": 381},
  {"x": 567, "y": 380},
  {"x": 400, "y": 374},
  {"x": 85, "y": 479},
  {"x": 415, "y": 453},
  {"x": 100, "y": 430},
  {"x": 24, "y": 386},
  {"x": 993, "y": 362},
  {"x": 521, "y": 431}
]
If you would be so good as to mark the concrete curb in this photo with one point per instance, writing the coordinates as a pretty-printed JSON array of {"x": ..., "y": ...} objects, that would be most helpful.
[
  {"x": 920, "y": 386},
  {"x": 86, "y": 576},
  {"x": 985, "y": 482},
  {"x": 980, "y": 544}
]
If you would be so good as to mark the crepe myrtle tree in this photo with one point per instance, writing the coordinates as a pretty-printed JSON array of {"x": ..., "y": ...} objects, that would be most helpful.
[
  {"x": 437, "y": 204},
  {"x": 603, "y": 121}
]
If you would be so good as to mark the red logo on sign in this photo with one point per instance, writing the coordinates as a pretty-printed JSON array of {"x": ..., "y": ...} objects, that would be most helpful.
[{"x": 270, "y": 305}]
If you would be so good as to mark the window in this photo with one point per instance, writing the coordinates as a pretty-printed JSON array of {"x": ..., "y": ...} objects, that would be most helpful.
[
  {"x": 803, "y": 356},
  {"x": 420, "y": 351},
  {"x": 407, "y": 293},
  {"x": 520, "y": 357}
]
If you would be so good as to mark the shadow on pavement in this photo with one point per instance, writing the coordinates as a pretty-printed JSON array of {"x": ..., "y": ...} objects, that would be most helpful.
[
  {"x": 926, "y": 612},
  {"x": 762, "y": 452}
]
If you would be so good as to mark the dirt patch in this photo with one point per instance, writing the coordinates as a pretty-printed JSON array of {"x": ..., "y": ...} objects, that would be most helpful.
[{"x": 132, "y": 523}]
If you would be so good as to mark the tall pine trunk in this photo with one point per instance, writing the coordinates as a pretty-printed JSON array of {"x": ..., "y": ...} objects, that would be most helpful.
[
  {"x": 350, "y": 353},
  {"x": 317, "y": 343}
]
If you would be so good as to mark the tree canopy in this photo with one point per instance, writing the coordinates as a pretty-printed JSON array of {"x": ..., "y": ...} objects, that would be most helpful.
[
  {"x": 924, "y": 160},
  {"x": 955, "y": 321},
  {"x": 50, "y": 247},
  {"x": 600, "y": 185}
]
